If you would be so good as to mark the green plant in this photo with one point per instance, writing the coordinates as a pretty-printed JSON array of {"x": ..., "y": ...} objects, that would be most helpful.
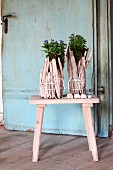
[
  {"x": 55, "y": 49},
  {"x": 77, "y": 44}
]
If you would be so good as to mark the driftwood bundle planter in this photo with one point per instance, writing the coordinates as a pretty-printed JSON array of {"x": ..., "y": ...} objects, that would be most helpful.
[
  {"x": 51, "y": 75},
  {"x": 77, "y": 73},
  {"x": 51, "y": 79}
]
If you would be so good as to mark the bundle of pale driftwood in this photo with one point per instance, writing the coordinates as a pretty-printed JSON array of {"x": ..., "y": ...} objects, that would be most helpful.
[
  {"x": 77, "y": 72},
  {"x": 51, "y": 79}
]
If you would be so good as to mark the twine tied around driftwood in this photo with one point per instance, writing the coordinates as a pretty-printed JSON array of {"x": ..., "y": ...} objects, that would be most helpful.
[
  {"x": 49, "y": 90},
  {"x": 76, "y": 82}
]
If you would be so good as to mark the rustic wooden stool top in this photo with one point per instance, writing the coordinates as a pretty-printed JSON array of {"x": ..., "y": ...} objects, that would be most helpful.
[{"x": 86, "y": 107}]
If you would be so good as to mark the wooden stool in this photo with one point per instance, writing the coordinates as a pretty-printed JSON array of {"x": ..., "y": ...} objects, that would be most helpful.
[{"x": 86, "y": 107}]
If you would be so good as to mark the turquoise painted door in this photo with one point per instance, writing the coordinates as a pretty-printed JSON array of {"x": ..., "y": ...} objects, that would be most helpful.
[{"x": 23, "y": 58}]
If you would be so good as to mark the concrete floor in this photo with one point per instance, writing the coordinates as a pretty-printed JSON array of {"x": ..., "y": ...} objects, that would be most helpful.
[{"x": 57, "y": 152}]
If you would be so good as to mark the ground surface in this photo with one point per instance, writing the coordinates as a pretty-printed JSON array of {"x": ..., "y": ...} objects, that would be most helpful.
[{"x": 57, "y": 152}]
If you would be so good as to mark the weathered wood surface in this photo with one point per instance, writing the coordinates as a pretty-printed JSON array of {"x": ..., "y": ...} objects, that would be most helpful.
[
  {"x": 77, "y": 72},
  {"x": 90, "y": 130},
  {"x": 56, "y": 152},
  {"x": 88, "y": 123},
  {"x": 37, "y": 133},
  {"x": 51, "y": 85},
  {"x": 38, "y": 100}
]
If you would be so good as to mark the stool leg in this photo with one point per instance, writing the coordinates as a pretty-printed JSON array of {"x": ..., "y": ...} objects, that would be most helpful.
[
  {"x": 90, "y": 130},
  {"x": 87, "y": 129},
  {"x": 37, "y": 132}
]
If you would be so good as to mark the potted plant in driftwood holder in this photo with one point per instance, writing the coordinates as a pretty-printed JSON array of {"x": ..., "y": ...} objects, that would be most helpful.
[
  {"x": 51, "y": 75},
  {"x": 77, "y": 64}
]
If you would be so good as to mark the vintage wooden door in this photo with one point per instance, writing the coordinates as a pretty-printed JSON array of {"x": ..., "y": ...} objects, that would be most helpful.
[
  {"x": 104, "y": 64},
  {"x": 33, "y": 22}
]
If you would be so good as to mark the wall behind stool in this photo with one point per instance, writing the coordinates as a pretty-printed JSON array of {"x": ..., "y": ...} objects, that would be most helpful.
[{"x": 1, "y": 106}]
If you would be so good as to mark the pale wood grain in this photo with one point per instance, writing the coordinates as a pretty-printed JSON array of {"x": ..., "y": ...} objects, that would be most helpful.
[
  {"x": 74, "y": 72},
  {"x": 55, "y": 74},
  {"x": 69, "y": 69},
  {"x": 37, "y": 133},
  {"x": 89, "y": 58},
  {"x": 38, "y": 100},
  {"x": 90, "y": 130}
]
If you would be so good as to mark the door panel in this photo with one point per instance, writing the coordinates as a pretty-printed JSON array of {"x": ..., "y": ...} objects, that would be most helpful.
[
  {"x": 104, "y": 74},
  {"x": 23, "y": 58}
]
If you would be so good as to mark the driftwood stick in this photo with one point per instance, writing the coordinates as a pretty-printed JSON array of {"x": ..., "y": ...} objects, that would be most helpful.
[
  {"x": 85, "y": 54},
  {"x": 79, "y": 65},
  {"x": 52, "y": 85},
  {"x": 45, "y": 88},
  {"x": 69, "y": 68},
  {"x": 82, "y": 74},
  {"x": 48, "y": 83},
  {"x": 61, "y": 78},
  {"x": 51, "y": 81},
  {"x": 60, "y": 83},
  {"x": 73, "y": 64},
  {"x": 41, "y": 80},
  {"x": 41, "y": 73},
  {"x": 74, "y": 71},
  {"x": 66, "y": 51},
  {"x": 82, "y": 78},
  {"x": 44, "y": 71},
  {"x": 61, "y": 70},
  {"x": 89, "y": 58},
  {"x": 55, "y": 74},
  {"x": 83, "y": 61}
]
